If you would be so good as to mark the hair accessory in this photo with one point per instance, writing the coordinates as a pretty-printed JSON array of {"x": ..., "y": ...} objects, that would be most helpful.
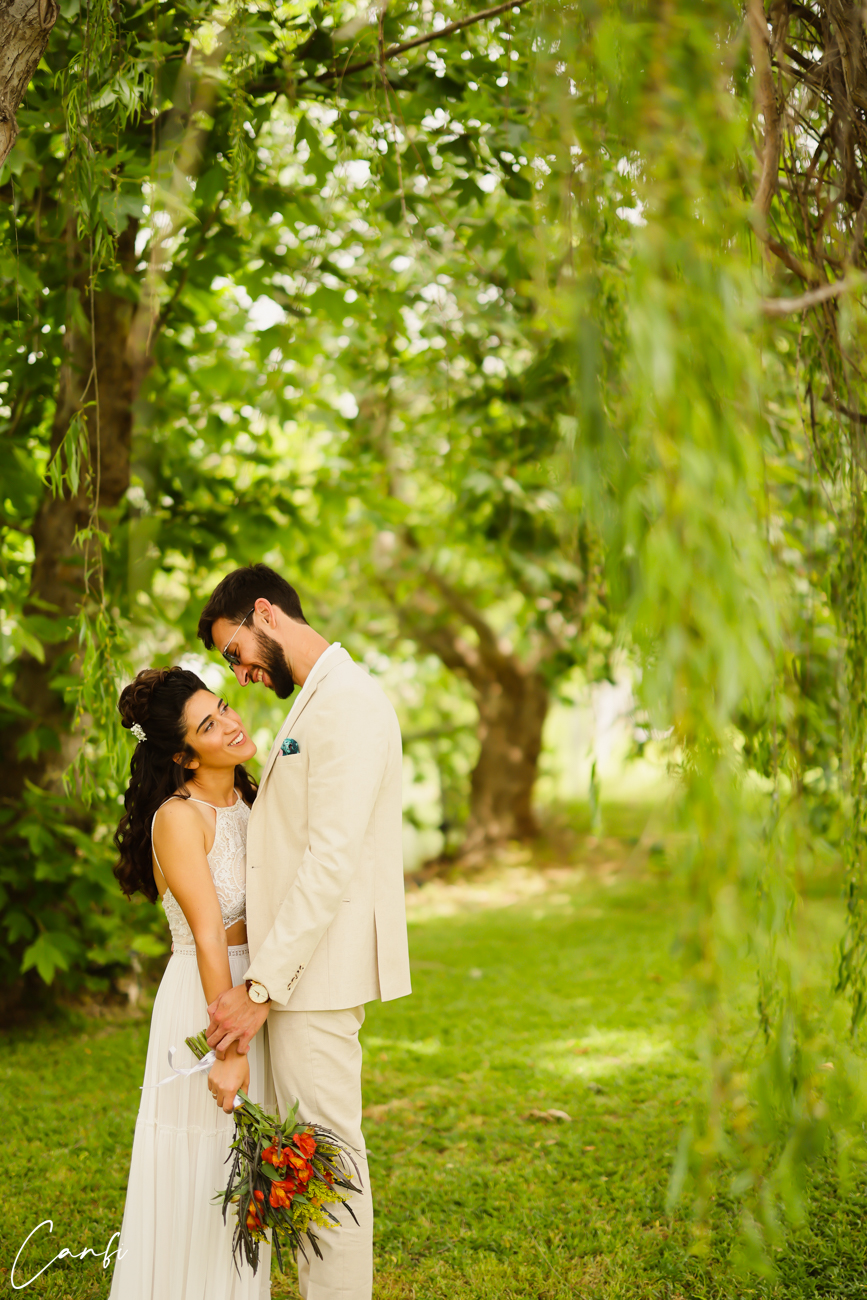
[{"x": 138, "y": 731}]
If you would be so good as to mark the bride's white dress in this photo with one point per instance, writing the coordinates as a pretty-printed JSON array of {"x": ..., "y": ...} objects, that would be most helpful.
[{"x": 173, "y": 1242}]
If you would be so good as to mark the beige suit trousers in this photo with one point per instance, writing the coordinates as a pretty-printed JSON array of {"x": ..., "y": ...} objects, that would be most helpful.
[{"x": 316, "y": 1058}]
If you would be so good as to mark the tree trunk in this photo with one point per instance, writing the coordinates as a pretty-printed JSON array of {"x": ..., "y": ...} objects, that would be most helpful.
[
  {"x": 512, "y": 711},
  {"x": 98, "y": 370},
  {"x": 512, "y": 698},
  {"x": 25, "y": 26}
]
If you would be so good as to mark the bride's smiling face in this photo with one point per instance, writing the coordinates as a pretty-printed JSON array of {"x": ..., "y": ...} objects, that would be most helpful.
[{"x": 215, "y": 733}]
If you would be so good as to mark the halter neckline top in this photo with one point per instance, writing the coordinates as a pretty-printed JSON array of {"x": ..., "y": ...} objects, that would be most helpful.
[{"x": 227, "y": 861}]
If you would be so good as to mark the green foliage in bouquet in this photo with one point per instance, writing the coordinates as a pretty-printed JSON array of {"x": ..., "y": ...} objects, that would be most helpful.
[{"x": 282, "y": 1177}]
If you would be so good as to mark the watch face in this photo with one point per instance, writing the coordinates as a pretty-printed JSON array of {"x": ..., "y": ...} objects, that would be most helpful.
[{"x": 258, "y": 993}]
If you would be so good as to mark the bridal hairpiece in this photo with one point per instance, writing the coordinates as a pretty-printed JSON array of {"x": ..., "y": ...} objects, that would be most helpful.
[{"x": 138, "y": 731}]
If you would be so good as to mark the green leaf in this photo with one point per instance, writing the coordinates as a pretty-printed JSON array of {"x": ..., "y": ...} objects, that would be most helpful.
[
  {"x": 47, "y": 954},
  {"x": 18, "y": 925}
]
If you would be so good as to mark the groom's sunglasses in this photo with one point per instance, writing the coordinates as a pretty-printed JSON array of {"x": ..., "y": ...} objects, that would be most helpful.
[{"x": 229, "y": 655}]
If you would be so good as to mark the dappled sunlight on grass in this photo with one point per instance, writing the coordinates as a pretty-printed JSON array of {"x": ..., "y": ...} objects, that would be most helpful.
[
  {"x": 421, "y": 1047},
  {"x": 602, "y": 1053},
  {"x": 511, "y": 884}
]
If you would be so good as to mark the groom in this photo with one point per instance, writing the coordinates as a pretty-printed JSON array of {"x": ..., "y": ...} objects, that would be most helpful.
[{"x": 325, "y": 905}]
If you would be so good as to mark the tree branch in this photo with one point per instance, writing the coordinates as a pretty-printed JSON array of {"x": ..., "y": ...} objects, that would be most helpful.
[
  {"x": 394, "y": 50},
  {"x": 794, "y": 264},
  {"x": 860, "y": 417},
  {"x": 766, "y": 101},
  {"x": 204, "y": 227},
  {"x": 857, "y": 232},
  {"x": 465, "y": 611},
  {"x": 786, "y": 306},
  {"x": 442, "y": 641},
  {"x": 805, "y": 64},
  {"x": 424, "y": 619},
  {"x": 435, "y": 733}
]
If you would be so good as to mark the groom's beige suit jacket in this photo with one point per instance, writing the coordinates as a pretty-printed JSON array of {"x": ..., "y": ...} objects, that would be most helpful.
[{"x": 326, "y": 919}]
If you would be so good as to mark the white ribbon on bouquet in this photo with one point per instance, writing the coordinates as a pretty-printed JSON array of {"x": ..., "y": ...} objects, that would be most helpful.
[{"x": 178, "y": 1073}]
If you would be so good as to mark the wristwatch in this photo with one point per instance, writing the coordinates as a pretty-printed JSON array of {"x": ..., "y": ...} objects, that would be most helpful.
[{"x": 257, "y": 992}]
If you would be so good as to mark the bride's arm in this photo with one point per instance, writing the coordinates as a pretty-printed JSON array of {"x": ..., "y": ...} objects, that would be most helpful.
[{"x": 179, "y": 840}]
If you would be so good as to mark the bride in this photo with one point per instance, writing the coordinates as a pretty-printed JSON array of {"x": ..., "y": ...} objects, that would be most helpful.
[{"x": 183, "y": 838}]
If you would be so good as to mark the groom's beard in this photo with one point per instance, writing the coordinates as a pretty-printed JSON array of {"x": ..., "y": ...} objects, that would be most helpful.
[{"x": 272, "y": 659}]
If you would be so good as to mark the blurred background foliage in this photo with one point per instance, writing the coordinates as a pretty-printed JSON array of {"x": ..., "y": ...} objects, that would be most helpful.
[{"x": 523, "y": 350}]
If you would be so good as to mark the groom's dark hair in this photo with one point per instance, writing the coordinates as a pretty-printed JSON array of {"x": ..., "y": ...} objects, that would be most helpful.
[{"x": 235, "y": 596}]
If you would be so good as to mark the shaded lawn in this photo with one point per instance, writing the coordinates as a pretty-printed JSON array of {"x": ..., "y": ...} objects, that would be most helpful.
[{"x": 566, "y": 1000}]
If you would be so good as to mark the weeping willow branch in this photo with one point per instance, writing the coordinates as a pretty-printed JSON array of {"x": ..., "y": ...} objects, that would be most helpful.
[
  {"x": 788, "y": 306},
  {"x": 814, "y": 200},
  {"x": 856, "y": 416},
  {"x": 766, "y": 99},
  {"x": 393, "y": 51},
  {"x": 794, "y": 264}
]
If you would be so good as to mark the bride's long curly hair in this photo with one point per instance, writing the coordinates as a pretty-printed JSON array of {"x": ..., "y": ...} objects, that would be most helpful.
[{"x": 156, "y": 701}]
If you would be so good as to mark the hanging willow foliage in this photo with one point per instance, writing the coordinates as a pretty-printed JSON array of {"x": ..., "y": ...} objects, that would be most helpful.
[
  {"x": 811, "y": 206},
  {"x": 718, "y": 445}
]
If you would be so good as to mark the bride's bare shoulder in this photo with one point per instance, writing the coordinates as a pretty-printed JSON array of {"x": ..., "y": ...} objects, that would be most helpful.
[{"x": 178, "y": 815}]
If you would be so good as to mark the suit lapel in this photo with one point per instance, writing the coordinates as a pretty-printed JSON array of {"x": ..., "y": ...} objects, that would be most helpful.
[
  {"x": 298, "y": 708},
  {"x": 275, "y": 748},
  {"x": 284, "y": 731}
]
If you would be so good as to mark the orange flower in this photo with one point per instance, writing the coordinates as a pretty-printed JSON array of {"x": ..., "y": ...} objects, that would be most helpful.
[
  {"x": 260, "y": 1196},
  {"x": 303, "y": 1170},
  {"x": 305, "y": 1142},
  {"x": 280, "y": 1159},
  {"x": 280, "y": 1196}
]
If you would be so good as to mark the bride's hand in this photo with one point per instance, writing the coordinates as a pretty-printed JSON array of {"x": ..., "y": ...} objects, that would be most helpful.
[{"x": 228, "y": 1077}]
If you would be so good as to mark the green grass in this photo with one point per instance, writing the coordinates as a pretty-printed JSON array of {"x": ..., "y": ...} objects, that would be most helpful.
[{"x": 565, "y": 999}]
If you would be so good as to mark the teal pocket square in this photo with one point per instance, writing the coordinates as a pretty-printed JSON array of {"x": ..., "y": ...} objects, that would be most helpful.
[{"x": 290, "y": 746}]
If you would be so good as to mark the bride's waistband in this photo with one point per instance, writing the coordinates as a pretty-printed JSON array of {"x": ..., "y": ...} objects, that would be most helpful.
[{"x": 189, "y": 950}]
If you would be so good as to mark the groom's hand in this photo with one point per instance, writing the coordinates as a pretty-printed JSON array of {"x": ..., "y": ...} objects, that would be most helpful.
[{"x": 235, "y": 1018}]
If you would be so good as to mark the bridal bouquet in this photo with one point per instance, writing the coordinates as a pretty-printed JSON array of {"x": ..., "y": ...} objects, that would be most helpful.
[{"x": 282, "y": 1177}]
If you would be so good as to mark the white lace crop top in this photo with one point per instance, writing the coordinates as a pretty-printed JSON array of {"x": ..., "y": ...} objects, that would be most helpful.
[{"x": 228, "y": 863}]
